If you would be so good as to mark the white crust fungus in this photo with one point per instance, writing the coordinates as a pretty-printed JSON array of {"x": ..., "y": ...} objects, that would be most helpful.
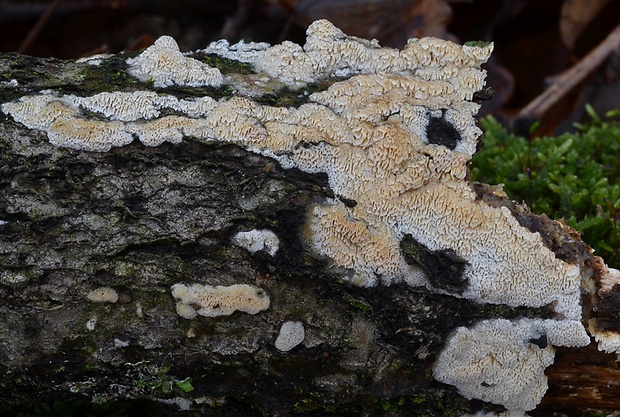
[
  {"x": 291, "y": 334},
  {"x": 165, "y": 65},
  {"x": 213, "y": 301},
  {"x": 503, "y": 362},
  {"x": 91, "y": 323},
  {"x": 103, "y": 295},
  {"x": 256, "y": 240},
  {"x": 395, "y": 138}
]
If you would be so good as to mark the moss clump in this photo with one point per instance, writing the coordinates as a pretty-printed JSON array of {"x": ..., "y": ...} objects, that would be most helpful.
[
  {"x": 110, "y": 75},
  {"x": 574, "y": 176},
  {"x": 287, "y": 97},
  {"x": 479, "y": 44},
  {"x": 225, "y": 65}
]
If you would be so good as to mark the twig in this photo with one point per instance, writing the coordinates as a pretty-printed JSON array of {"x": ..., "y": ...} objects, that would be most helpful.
[
  {"x": 34, "y": 32},
  {"x": 565, "y": 81}
]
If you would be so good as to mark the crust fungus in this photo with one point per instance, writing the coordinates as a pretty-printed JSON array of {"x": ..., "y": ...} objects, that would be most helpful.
[
  {"x": 503, "y": 362},
  {"x": 394, "y": 132},
  {"x": 257, "y": 240},
  {"x": 213, "y": 301},
  {"x": 165, "y": 65},
  {"x": 291, "y": 334},
  {"x": 103, "y": 295}
]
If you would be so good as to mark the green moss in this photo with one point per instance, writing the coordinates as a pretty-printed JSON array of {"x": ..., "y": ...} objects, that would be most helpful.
[
  {"x": 360, "y": 305},
  {"x": 574, "y": 176},
  {"x": 110, "y": 75},
  {"x": 225, "y": 65},
  {"x": 184, "y": 385},
  {"x": 479, "y": 44},
  {"x": 418, "y": 399}
]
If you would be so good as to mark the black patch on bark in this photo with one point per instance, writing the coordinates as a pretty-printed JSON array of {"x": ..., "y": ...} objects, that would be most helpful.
[
  {"x": 444, "y": 268},
  {"x": 540, "y": 341},
  {"x": 608, "y": 310},
  {"x": 349, "y": 202},
  {"x": 441, "y": 132}
]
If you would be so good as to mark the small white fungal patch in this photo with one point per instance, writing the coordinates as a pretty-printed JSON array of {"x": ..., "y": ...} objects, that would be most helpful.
[
  {"x": 256, "y": 240},
  {"x": 91, "y": 323},
  {"x": 184, "y": 404},
  {"x": 94, "y": 60},
  {"x": 3, "y": 222},
  {"x": 118, "y": 343},
  {"x": 213, "y": 301},
  {"x": 503, "y": 362},
  {"x": 103, "y": 295},
  {"x": 242, "y": 51},
  {"x": 165, "y": 65},
  {"x": 292, "y": 333}
]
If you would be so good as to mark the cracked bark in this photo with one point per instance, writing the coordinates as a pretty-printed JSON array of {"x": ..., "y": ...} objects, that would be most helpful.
[{"x": 141, "y": 219}]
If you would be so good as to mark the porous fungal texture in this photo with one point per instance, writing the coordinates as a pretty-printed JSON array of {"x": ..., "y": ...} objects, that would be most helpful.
[
  {"x": 257, "y": 240},
  {"x": 394, "y": 132},
  {"x": 212, "y": 301},
  {"x": 292, "y": 333},
  {"x": 503, "y": 362}
]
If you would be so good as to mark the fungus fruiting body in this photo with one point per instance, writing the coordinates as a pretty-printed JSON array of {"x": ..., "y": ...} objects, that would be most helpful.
[
  {"x": 292, "y": 333},
  {"x": 503, "y": 361},
  {"x": 213, "y": 301},
  {"x": 165, "y": 65},
  {"x": 103, "y": 295},
  {"x": 394, "y": 131},
  {"x": 256, "y": 240}
]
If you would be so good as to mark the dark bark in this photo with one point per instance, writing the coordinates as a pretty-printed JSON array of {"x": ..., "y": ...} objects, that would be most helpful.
[{"x": 141, "y": 219}]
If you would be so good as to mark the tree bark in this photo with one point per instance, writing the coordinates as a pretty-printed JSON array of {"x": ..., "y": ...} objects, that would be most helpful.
[{"x": 140, "y": 219}]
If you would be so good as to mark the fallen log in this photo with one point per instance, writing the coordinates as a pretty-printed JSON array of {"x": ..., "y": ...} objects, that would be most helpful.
[{"x": 256, "y": 230}]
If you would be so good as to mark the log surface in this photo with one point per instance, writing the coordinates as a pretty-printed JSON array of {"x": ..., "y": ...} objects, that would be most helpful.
[{"x": 141, "y": 219}]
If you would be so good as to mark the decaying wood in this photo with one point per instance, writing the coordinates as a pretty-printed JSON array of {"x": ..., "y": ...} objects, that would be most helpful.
[{"x": 140, "y": 219}]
